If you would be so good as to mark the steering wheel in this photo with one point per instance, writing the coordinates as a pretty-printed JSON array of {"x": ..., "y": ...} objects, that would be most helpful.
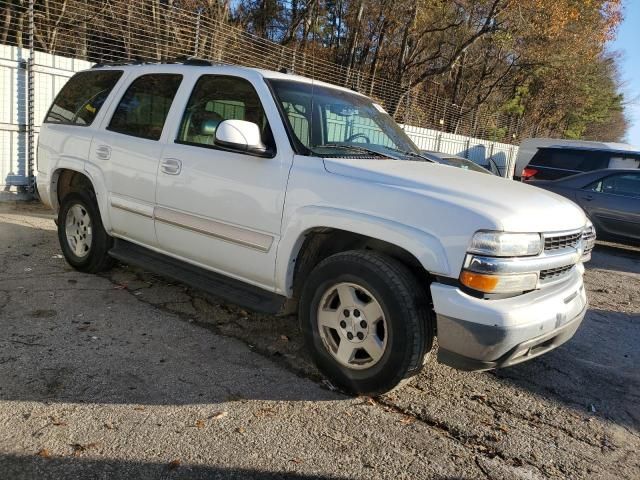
[{"x": 358, "y": 135}]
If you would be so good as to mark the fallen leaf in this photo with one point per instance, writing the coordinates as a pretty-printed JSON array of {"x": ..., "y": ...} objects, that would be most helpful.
[
  {"x": 120, "y": 286},
  {"x": 296, "y": 460},
  {"x": 44, "y": 453},
  {"x": 218, "y": 415},
  {"x": 478, "y": 396},
  {"x": 240, "y": 430},
  {"x": 284, "y": 338},
  {"x": 57, "y": 422},
  {"x": 502, "y": 428},
  {"x": 108, "y": 425},
  {"x": 199, "y": 424},
  {"x": 370, "y": 401},
  {"x": 407, "y": 420},
  {"x": 79, "y": 448},
  {"x": 140, "y": 409},
  {"x": 265, "y": 412},
  {"x": 173, "y": 464}
]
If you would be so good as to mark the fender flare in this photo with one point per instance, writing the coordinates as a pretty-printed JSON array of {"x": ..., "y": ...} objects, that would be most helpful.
[
  {"x": 95, "y": 177},
  {"x": 425, "y": 247}
]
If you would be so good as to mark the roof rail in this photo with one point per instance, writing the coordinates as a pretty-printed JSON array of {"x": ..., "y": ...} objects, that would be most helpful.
[
  {"x": 138, "y": 61},
  {"x": 196, "y": 61}
]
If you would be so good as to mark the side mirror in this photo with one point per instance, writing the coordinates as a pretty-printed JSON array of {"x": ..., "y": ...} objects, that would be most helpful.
[{"x": 240, "y": 136}]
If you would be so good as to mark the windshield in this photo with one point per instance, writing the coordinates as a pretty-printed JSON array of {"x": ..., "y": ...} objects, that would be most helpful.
[{"x": 328, "y": 121}]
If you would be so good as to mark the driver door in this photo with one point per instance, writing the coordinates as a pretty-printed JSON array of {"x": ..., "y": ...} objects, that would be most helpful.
[{"x": 218, "y": 208}]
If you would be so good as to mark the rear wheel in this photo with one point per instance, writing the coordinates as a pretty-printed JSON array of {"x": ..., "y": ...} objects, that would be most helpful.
[
  {"x": 365, "y": 320},
  {"x": 83, "y": 239}
]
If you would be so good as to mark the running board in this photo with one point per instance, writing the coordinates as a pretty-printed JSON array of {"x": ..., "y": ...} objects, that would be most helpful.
[{"x": 235, "y": 291}]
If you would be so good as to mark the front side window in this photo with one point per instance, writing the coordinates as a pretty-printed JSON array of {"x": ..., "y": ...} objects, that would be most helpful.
[
  {"x": 328, "y": 121},
  {"x": 216, "y": 98},
  {"x": 145, "y": 105},
  {"x": 82, "y": 96},
  {"x": 626, "y": 184}
]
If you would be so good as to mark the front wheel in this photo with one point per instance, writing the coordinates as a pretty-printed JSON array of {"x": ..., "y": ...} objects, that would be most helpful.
[
  {"x": 365, "y": 320},
  {"x": 83, "y": 239}
]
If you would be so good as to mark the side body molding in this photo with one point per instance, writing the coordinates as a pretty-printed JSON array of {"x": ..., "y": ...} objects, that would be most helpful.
[{"x": 422, "y": 245}]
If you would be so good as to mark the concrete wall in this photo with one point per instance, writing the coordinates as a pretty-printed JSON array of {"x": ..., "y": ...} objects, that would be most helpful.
[{"x": 51, "y": 72}]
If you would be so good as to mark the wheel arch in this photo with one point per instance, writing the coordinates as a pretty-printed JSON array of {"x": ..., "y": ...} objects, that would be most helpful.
[
  {"x": 70, "y": 178},
  {"x": 318, "y": 232}
]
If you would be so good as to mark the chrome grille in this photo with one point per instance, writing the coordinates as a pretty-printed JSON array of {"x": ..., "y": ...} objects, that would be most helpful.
[
  {"x": 558, "y": 242},
  {"x": 588, "y": 240},
  {"x": 553, "y": 273}
]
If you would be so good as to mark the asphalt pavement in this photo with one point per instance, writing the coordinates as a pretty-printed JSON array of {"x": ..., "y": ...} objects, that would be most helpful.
[{"x": 128, "y": 375}]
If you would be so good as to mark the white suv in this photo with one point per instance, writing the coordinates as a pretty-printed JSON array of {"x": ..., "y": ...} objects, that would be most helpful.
[{"x": 269, "y": 189}]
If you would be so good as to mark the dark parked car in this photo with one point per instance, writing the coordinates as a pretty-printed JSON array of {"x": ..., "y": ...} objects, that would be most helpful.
[
  {"x": 460, "y": 162},
  {"x": 553, "y": 162},
  {"x": 609, "y": 197}
]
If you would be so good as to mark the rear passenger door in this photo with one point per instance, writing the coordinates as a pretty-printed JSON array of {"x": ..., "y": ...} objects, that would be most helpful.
[
  {"x": 128, "y": 149},
  {"x": 217, "y": 208}
]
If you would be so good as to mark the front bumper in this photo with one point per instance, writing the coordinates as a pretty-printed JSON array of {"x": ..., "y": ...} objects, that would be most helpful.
[{"x": 479, "y": 334}]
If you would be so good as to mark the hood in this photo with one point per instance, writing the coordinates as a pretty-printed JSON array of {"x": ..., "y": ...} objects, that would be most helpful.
[{"x": 511, "y": 205}]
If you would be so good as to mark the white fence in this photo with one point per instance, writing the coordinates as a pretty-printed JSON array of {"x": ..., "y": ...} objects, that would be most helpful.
[
  {"x": 52, "y": 71},
  {"x": 475, "y": 149}
]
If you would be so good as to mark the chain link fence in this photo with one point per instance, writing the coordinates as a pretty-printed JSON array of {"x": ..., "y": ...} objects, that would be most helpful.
[{"x": 114, "y": 31}]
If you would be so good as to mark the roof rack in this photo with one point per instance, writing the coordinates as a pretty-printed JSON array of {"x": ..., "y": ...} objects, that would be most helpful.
[{"x": 138, "y": 61}]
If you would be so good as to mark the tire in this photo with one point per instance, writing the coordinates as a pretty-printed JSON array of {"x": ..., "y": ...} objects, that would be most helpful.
[
  {"x": 398, "y": 347},
  {"x": 92, "y": 241}
]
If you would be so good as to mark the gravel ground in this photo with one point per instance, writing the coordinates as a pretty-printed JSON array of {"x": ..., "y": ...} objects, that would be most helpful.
[{"x": 127, "y": 375}]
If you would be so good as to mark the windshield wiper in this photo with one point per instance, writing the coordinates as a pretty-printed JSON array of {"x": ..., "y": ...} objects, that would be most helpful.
[
  {"x": 356, "y": 148},
  {"x": 411, "y": 154}
]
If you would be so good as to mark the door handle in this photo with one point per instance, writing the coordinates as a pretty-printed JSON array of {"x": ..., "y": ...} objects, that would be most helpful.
[
  {"x": 588, "y": 198},
  {"x": 171, "y": 166},
  {"x": 103, "y": 152}
]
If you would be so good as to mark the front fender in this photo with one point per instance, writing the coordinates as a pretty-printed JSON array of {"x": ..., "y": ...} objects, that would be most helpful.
[{"x": 422, "y": 245}]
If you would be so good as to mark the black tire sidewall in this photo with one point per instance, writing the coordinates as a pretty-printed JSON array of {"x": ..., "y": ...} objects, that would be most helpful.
[
  {"x": 396, "y": 360},
  {"x": 100, "y": 241}
]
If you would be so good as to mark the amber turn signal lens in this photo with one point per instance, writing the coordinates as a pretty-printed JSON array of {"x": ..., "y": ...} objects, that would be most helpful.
[{"x": 478, "y": 281}]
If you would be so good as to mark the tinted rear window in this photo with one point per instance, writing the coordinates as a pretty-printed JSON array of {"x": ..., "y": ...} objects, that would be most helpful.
[
  {"x": 82, "y": 96},
  {"x": 576, "y": 160}
]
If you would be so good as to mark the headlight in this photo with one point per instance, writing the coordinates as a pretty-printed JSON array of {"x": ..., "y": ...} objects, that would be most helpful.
[
  {"x": 513, "y": 283},
  {"x": 504, "y": 244}
]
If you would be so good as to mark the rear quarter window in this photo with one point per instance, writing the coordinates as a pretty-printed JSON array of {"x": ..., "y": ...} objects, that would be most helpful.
[{"x": 81, "y": 98}]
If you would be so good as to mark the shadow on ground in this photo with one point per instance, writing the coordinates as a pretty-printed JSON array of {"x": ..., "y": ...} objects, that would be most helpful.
[
  {"x": 595, "y": 372},
  {"x": 613, "y": 256},
  {"x": 69, "y": 468}
]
